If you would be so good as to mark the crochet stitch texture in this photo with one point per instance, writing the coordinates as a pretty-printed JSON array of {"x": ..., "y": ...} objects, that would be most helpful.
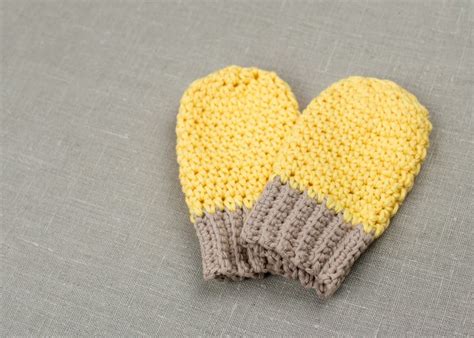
[
  {"x": 358, "y": 146},
  {"x": 342, "y": 173},
  {"x": 230, "y": 127}
]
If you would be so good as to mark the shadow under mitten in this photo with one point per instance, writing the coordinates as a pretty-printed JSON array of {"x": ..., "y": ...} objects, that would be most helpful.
[
  {"x": 230, "y": 126},
  {"x": 339, "y": 178}
]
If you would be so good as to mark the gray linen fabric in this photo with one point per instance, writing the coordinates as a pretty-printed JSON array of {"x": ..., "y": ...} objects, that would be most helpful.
[{"x": 96, "y": 238}]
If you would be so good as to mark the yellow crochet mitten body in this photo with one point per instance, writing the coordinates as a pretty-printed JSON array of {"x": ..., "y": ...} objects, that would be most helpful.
[
  {"x": 230, "y": 127},
  {"x": 339, "y": 178}
]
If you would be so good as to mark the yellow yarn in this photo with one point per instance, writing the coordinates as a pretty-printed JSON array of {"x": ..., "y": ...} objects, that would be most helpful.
[
  {"x": 358, "y": 146},
  {"x": 230, "y": 127}
]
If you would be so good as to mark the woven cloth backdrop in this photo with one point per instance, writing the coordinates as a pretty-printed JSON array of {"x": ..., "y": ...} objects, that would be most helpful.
[{"x": 96, "y": 238}]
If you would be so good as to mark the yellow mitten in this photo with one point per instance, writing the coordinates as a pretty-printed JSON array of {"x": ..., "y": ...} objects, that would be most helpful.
[
  {"x": 231, "y": 125},
  {"x": 339, "y": 178}
]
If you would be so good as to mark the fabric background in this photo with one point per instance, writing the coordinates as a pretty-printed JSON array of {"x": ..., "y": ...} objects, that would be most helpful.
[{"x": 96, "y": 238}]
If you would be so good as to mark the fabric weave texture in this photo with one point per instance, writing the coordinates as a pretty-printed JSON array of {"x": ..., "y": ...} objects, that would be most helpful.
[{"x": 96, "y": 238}]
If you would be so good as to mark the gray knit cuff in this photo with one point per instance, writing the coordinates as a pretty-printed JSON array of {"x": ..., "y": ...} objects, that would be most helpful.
[
  {"x": 223, "y": 257},
  {"x": 264, "y": 261},
  {"x": 306, "y": 236}
]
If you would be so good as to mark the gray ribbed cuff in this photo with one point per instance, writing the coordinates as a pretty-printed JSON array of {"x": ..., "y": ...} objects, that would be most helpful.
[
  {"x": 305, "y": 236},
  {"x": 267, "y": 261},
  {"x": 222, "y": 254}
]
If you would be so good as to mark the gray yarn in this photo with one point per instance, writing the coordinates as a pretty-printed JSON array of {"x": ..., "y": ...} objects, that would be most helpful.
[{"x": 303, "y": 239}]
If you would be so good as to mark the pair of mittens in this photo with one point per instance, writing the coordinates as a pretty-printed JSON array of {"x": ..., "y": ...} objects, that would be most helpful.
[{"x": 332, "y": 177}]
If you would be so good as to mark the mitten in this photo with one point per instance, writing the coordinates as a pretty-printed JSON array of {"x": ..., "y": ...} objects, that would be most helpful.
[
  {"x": 342, "y": 174},
  {"x": 230, "y": 127}
]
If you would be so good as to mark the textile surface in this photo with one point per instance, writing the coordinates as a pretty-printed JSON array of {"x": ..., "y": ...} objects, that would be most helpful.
[{"x": 95, "y": 233}]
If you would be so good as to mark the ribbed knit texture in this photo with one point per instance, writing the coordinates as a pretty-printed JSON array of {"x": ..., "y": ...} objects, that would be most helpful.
[
  {"x": 222, "y": 255},
  {"x": 311, "y": 242}
]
